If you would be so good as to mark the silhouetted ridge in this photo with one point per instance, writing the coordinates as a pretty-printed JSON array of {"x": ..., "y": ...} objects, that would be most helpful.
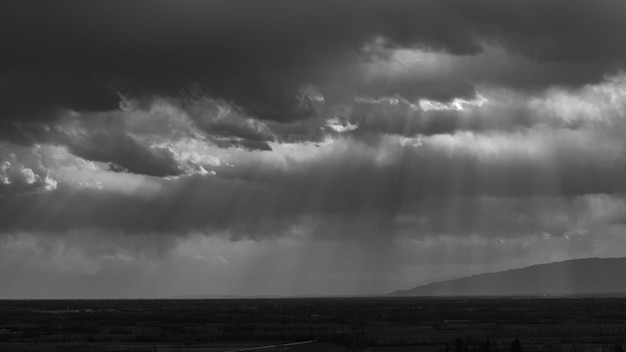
[{"x": 571, "y": 277}]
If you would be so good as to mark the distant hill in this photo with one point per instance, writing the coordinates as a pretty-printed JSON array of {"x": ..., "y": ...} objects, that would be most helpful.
[{"x": 593, "y": 276}]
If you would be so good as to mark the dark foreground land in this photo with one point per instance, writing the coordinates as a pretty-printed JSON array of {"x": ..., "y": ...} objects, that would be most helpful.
[{"x": 331, "y": 324}]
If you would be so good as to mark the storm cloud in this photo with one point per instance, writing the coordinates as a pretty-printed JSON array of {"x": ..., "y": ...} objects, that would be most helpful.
[
  {"x": 397, "y": 141},
  {"x": 257, "y": 55}
]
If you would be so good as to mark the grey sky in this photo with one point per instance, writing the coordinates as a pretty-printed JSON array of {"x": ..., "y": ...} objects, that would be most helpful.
[{"x": 304, "y": 147}]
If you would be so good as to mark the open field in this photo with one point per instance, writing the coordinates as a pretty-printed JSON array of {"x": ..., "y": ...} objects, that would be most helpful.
[{"x": 331, "y": 324}]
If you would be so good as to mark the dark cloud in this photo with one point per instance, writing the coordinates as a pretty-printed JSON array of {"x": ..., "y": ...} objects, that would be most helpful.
[
  {"x": 225, "y": 125},
  {"x": 258, "y": 55},
  {"x": 246, "y": 144},
  {"x": 123, "y": 151},
  {"x": 100, "y": 141},
  {"x": 34, "y": 93}
]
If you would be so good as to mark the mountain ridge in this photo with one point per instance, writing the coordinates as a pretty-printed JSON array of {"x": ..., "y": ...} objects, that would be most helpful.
[{"x": 568, "y": 277}]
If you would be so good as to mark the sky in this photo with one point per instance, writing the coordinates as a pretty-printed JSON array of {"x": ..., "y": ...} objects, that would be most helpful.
[{"x": 311, "y": 147}]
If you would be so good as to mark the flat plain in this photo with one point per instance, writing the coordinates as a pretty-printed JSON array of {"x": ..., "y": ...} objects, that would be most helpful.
[{"x": 385, "y": 324}]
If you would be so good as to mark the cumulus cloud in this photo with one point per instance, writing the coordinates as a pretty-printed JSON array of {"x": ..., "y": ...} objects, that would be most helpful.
[{"x": 21, "y": 170}]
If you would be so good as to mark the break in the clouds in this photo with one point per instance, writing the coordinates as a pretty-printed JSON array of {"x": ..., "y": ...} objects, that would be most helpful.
[{"x": 304, "y": 147}]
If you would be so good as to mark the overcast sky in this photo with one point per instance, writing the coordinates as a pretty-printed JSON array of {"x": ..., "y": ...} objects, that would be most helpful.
[{"x": 174, "y": 147}]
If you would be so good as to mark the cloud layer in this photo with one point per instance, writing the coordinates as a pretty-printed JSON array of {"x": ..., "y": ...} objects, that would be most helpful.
[
  {"x": 259, "y": 55},
  {"x": 132, "y": 132}
]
